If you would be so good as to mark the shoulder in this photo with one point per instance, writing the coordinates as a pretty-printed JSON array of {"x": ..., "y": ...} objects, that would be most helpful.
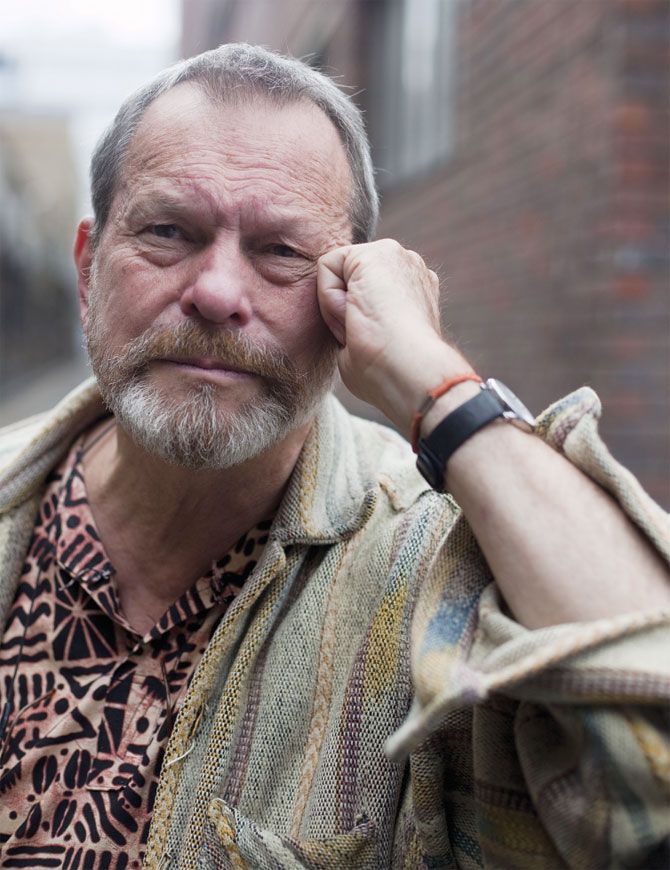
[
  {"x": 15, "y": 437},
  {"x": 30, "y": 448}
]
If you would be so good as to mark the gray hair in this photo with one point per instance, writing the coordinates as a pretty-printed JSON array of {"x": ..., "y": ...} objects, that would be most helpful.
[{"x": 226, "y": 73}]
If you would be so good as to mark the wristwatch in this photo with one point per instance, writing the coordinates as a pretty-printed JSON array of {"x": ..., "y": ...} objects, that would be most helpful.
[{"x": 493, "y": 401}]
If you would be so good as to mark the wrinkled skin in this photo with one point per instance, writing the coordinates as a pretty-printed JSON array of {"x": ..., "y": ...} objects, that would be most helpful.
[{"x": 220, "y": 220}]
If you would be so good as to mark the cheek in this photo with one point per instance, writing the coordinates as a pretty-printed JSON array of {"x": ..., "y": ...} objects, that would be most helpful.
[
  {"x": 136, "y": 293},
  {"x": 296, "y": 324}
]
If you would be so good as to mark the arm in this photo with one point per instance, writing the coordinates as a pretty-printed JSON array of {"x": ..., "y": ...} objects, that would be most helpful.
[{"x": 559, "y": 547}]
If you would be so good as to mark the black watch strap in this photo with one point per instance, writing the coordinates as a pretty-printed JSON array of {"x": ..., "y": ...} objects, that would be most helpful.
[{"x": 435, "y": 451}]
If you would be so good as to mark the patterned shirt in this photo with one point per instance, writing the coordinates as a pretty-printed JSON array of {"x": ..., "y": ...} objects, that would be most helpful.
[{"x": 94, "y": 701}]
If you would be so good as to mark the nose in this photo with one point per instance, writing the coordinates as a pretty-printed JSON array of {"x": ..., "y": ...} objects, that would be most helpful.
[{"x": 218, "y": 288}]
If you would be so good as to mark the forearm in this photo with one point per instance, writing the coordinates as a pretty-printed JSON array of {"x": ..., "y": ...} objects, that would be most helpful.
[{"x": 560, "y": 547}]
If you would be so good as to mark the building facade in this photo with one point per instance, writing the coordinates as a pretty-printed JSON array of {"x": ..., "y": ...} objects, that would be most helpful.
[
  {"x": 522, "y": 149},
  {"x": 38, "y": 323}
]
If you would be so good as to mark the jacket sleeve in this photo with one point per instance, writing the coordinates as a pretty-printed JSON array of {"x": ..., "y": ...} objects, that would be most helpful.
[{"x": 571, "y": 723}]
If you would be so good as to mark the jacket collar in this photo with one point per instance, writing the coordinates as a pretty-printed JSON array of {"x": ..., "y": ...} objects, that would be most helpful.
[{"x": 330, "y": 494}]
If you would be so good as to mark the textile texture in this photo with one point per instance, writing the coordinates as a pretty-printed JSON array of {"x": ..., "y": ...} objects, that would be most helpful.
[
  {"x": 94, "y": 700},
  {"x": 367, "y": 702}
]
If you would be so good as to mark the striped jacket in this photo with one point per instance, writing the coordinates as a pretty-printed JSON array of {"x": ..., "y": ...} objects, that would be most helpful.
[{"x": 367, "y": 702}]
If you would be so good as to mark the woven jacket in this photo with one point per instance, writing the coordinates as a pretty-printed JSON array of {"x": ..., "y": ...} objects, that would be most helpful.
[{"x": 368, "y": 702}]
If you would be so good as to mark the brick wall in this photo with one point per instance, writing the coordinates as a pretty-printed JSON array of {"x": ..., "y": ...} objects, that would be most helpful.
[{"x": 549, "y": 224}]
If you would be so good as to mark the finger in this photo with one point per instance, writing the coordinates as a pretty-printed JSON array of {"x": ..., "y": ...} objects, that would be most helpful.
[
  {"x": 331, "y": 291},
  {"x": 332, "y": 266},
  {"x": 333, "y": 306}
]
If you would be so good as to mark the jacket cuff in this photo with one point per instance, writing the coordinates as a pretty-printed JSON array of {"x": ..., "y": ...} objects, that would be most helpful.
[
  {"x": 571, "y": 427},
  {"x": 610, "y": 661}
]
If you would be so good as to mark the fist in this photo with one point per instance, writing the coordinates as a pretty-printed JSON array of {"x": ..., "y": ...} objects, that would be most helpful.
[{"x": 381, "y": 302}]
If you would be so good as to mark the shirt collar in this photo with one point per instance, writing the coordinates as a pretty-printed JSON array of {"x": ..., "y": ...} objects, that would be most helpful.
[{"x": 331, "y": 493}]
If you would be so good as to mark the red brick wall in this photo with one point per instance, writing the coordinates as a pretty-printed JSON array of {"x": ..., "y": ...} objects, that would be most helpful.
[{"x": 549, "y": 224}]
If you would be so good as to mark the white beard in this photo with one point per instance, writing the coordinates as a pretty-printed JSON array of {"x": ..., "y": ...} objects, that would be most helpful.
[
  {"x": 192, "y": 429},
  {"x": 194, "y": 433}
]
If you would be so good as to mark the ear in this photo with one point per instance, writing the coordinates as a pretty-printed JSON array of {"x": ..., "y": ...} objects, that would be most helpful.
[{"x": 83, "y": 258}]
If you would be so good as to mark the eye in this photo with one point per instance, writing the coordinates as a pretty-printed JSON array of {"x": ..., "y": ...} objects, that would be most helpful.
[
  {"x": 280, "y": 250},
  {"x": 166, "y": 231}
]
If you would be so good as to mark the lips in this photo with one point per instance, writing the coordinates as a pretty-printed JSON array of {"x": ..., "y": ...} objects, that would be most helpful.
[{"x": 208, "y": 364}]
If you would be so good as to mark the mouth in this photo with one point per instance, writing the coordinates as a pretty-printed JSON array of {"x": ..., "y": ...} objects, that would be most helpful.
[{"x": 207, "y": 366}]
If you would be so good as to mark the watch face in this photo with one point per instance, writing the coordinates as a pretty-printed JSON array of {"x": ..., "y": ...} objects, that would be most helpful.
[{"x": 517, "y": 409}]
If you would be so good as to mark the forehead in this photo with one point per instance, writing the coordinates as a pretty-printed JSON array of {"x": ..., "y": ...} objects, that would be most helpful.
[{"x": 245, "y": 156}]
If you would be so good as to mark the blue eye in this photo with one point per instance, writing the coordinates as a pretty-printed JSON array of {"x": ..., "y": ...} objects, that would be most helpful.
[{"x": 166, "y": 231}]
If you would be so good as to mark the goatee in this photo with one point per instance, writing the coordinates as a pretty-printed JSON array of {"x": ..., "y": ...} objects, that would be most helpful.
[{"x": 192, "y": 426}]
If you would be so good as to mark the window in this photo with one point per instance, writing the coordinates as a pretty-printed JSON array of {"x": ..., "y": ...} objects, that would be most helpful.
[{"x": 410, "y": 99}]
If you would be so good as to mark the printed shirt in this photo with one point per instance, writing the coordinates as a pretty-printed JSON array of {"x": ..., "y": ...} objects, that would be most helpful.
[{"x": 94, "y": 702}]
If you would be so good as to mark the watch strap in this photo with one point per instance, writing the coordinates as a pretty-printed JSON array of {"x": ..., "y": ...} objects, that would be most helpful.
[{"x": 437, "y": 448}]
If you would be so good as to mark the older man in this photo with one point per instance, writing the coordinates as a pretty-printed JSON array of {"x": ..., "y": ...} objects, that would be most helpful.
[{"x": 240, "y": 629}]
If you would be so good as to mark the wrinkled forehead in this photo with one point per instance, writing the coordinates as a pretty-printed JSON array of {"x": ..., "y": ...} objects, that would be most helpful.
[{"x": 293, "y": 146}]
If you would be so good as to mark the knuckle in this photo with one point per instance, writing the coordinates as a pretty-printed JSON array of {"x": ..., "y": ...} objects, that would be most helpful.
[{"x": 390, "y": 244}]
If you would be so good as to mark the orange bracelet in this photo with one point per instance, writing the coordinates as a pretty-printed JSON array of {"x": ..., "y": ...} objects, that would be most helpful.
[{"x": 431, "y": 398}]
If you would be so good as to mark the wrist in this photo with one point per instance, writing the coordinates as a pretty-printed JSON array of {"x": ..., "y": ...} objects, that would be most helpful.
[
  {"x": 491, "y": 402},
  {"x": 447, "y": 403},
  {"x": 406, "y": 386}
]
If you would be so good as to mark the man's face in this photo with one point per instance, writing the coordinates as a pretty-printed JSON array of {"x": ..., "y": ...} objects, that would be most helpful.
[{"x": 202, "y": 323}]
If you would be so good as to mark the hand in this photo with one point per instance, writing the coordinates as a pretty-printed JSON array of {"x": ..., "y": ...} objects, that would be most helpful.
[{"x": 381, "y": 302}]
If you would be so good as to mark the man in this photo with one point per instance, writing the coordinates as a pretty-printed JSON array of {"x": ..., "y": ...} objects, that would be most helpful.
[{"x": 223, "y": 602}]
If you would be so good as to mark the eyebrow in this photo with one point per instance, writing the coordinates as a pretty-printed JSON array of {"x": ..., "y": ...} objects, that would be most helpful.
[
  {"x": 149, "y": 202},
  {"x": 268, "y": 218}
]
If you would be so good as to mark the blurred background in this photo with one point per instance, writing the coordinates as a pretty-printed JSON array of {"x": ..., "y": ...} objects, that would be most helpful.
[{"x": 522, "y": 147}]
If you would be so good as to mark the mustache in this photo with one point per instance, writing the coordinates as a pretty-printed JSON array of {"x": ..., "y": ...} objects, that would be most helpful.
[{"x": 188, "y": 340}]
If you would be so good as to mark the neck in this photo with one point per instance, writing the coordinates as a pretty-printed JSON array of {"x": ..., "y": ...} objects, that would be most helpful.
[{"x": 163, "y": 525}]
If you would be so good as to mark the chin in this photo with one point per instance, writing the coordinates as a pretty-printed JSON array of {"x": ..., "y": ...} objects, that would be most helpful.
[{"x": 195, "y": 430}]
